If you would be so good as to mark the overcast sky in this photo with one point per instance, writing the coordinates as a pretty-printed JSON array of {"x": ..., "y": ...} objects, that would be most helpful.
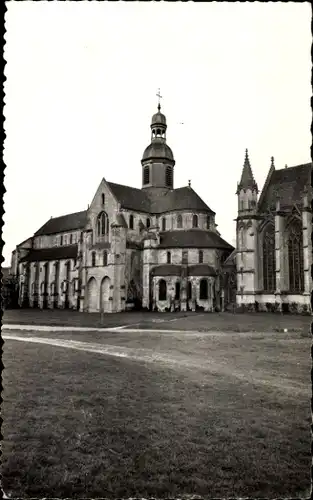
[{"x": 81, "y": 89}]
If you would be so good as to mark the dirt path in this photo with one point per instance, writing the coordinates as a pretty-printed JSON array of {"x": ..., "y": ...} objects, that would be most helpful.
[{"x": 179, "y": 361}]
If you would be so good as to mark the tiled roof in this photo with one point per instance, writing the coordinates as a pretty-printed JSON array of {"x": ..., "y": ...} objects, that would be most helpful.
[
  {"x": 130, "y": 197},
  {"x": 68, "y": 222},
  {"x": 53, "y": 253},
  {"x": 175, "y": 270},
  {"x": 166, "y": 270},
  {"x": 288, "y": 183},
  {"x": 192, "y": 238},
  {"x": 201, "y": 270},
  {"x": 184, "y": 198}
]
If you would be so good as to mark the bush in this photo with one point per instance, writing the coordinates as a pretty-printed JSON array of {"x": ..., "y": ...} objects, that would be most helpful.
[{"x": 293, "y": 308}]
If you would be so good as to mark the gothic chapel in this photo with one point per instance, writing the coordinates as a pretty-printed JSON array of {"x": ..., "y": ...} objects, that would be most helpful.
[
  {"x": 274, "y": 247},
  {"x": 156, "y": 247}
]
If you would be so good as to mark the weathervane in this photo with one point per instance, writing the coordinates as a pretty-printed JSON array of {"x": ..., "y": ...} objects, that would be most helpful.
[{"x": 159, "y": 100}]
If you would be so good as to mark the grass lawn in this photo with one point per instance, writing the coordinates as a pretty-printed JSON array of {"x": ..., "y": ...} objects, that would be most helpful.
[
  {"x": 258, "y": 322},
  {"x": 223, "y": 415}
]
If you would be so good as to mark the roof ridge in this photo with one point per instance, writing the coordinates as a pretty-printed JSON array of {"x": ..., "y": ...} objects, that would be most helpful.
[
  {"x": 124, "y": 185},
  {"x": 66, "y": 215},
  {"x": 294, "y": 166}
]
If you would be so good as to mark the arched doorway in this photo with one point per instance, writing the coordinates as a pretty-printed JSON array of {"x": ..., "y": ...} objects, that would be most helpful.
[
  {"x": 92, "y": 295},
  {"x": 105, "y": 294}
]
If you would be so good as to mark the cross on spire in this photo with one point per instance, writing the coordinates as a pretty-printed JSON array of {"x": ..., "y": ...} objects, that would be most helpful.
[{"x": 159, "y": 99}]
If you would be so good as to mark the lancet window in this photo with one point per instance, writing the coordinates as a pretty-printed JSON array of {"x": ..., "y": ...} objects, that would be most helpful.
[
  {"x": 102, "y": 224},
  {"x": 269, "y": 274},
  {"x": 295, "y": 258}
]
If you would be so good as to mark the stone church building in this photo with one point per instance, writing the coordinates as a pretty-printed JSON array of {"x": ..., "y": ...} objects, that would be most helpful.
[
  {"x": 274, "y": 247},
  {"x": 156, "y": 247}
]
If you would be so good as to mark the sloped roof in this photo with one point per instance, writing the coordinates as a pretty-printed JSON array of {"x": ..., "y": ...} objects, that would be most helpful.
[
  {"x": 68, "y": 222},
  {"x": 287, "y": 183},
  {"x": 166, "y": 270},
  {"x": 231, "y": 259},
  {"x": 192, "y": 238},
  {"x": 53, "y": 253},
  {"x": 130, "y": 197},
  {"x": 201, "y": 270},
  {"x": 184, "y": 198},
  {"x": 175, "y": 270}
]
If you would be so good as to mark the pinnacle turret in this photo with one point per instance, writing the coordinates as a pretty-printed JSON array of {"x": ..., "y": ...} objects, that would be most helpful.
[{"x": 247, "y": 180}]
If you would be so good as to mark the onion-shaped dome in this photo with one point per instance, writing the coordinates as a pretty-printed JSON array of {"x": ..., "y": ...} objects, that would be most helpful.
[{"x": 158, "y": 119}]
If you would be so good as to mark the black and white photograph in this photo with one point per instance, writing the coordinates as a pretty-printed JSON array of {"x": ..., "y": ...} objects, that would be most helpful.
[{"x": 157, "y": 250}]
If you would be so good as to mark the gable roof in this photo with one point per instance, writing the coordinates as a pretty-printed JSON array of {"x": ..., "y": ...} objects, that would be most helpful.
[
  {"x": 68, "y": 222},
  {"x": 184, "y": 198},
  {"x": 130, "y": 197},
  {"x": 287, "y": 183},
  {"x": 53, "y": 253},
  {"x": 192, "y": 238}
]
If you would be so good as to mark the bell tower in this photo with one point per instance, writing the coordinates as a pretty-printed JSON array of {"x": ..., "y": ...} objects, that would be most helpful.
[{"x": 158, "y": 160}]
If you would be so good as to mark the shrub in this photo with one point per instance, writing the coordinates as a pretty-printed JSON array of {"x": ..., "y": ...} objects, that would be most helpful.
[
  {"x": 277, "y": 307},
  {"x": 293, "y": 307}
]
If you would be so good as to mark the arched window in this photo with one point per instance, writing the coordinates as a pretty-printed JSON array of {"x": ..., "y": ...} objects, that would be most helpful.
[
  {"x": 169, "y": 176},
  {"x": 179, "y": 221},
  {"x": 203, "y": 289},
  {"x": 177, "y": 290},
  {"x": 93, "y": 259},
  {"x": 185, "y": 257},
  {"x": 105, "y": 258},
  {"x": 102, "y": 224},
  {"x": 61, "y": 239},
  {"x": 200, "y": 256},
  {"x": 131, "y": 221},
  {"x": 163, "y": 224},
  {"x": 269, "y": 274},
  {"x": 189, "y": 290},
  {"x": 208, "y": 222},
  {"x": 102, "y": 199},
  {"x": 162, "y": 290},
  {"x": 71, "y": 239},
  {"x": 194, "y": 221},
  {"x": 146, "y": 174},
  {"x": 158, "y": 131},
  {"x": 168, "y": 257},
  {"x": 148, "y": 222},
  {"x": 295, "y": 258}
]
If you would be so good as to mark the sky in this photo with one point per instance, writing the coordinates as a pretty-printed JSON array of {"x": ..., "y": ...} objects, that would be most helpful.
[{"x": 80, "y": 91}]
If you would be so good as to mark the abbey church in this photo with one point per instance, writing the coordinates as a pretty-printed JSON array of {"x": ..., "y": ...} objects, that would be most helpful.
[{"x": 158, "y": 247}]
